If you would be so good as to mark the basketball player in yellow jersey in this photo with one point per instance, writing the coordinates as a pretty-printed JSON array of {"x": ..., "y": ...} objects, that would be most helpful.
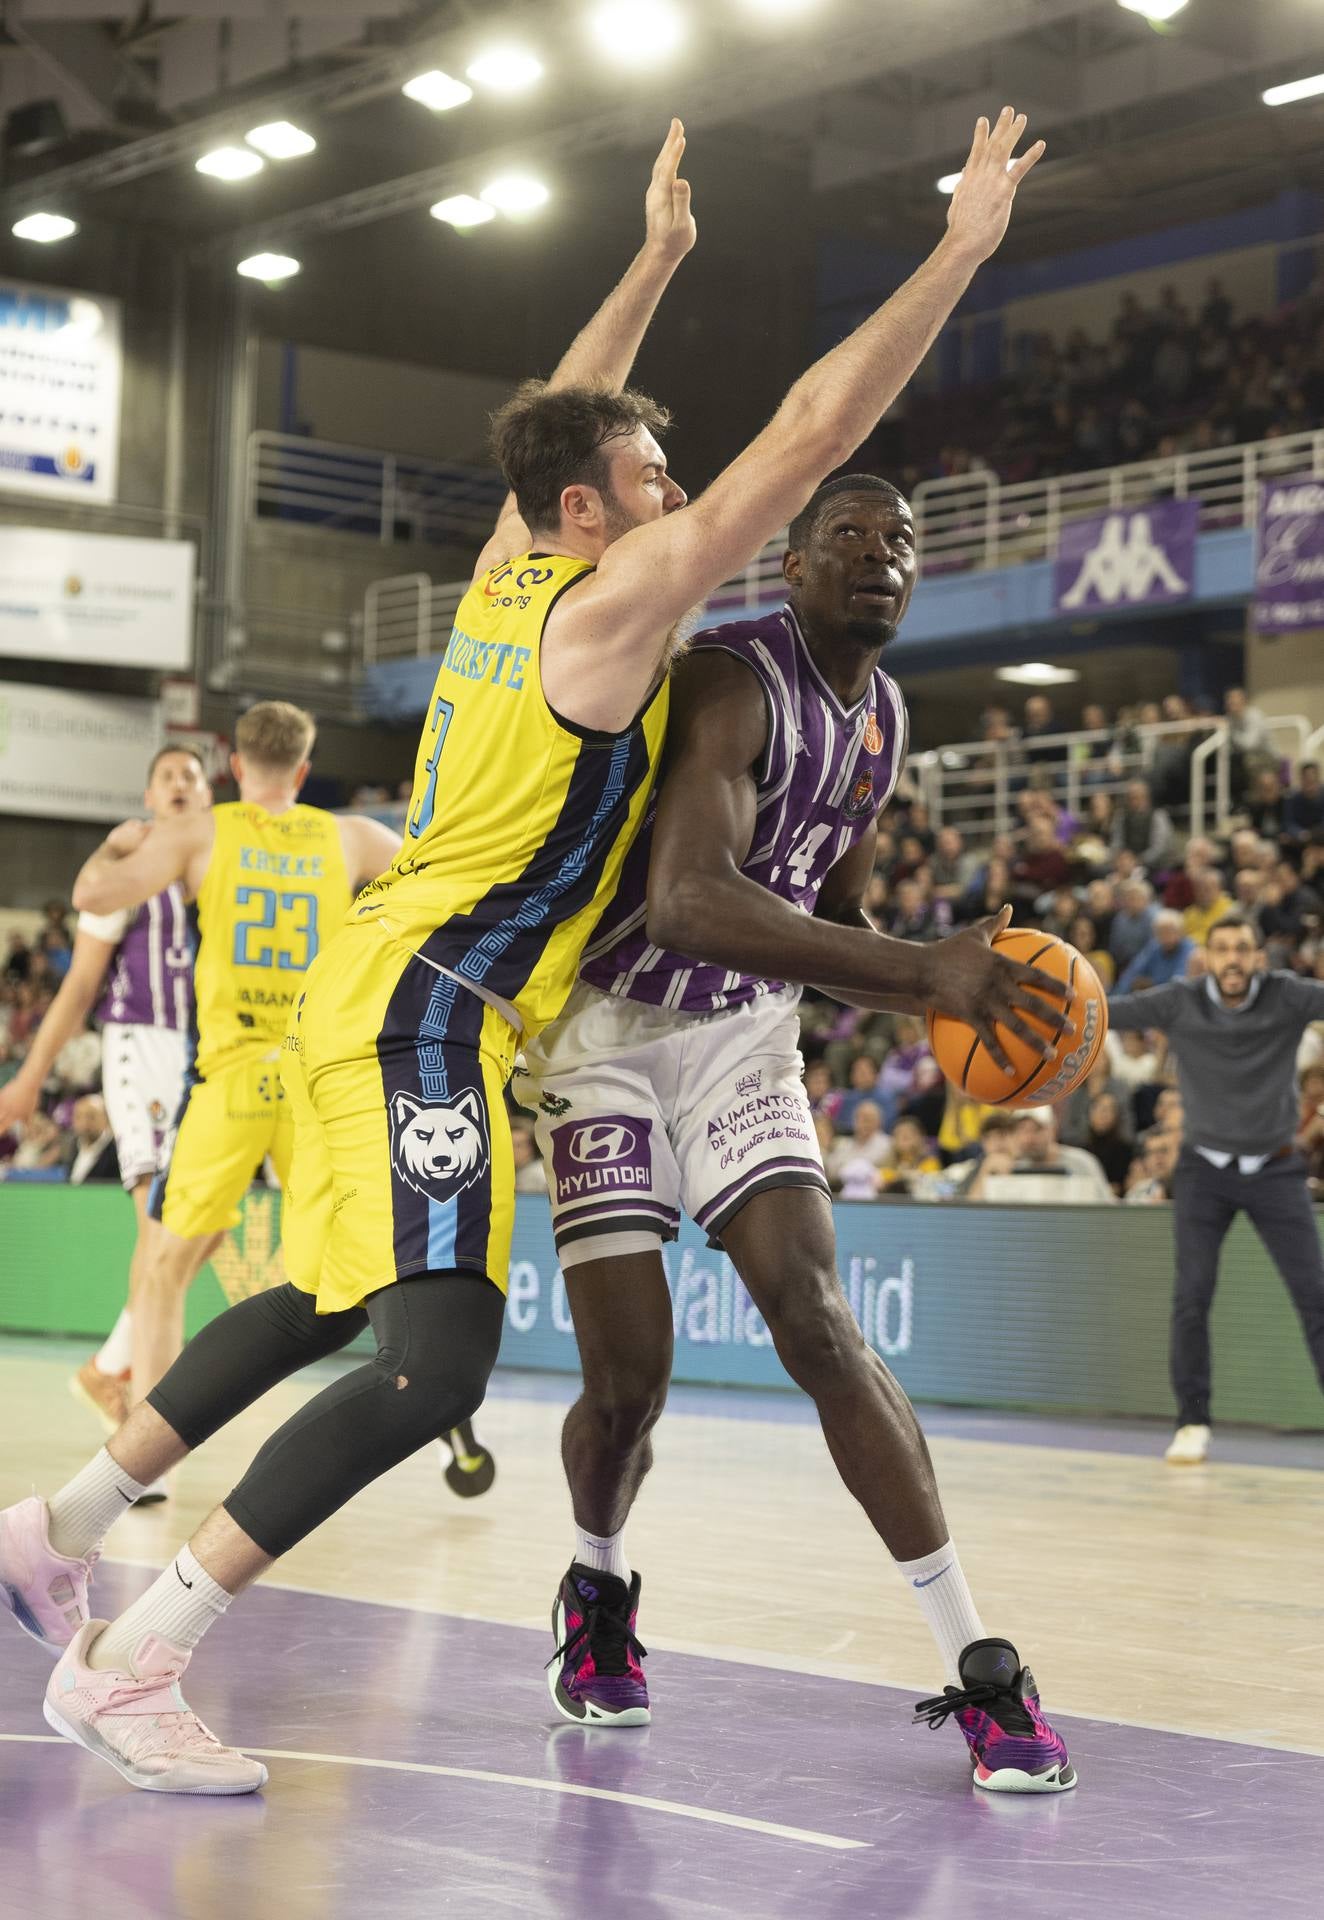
[
  {"x": 532, "y": 777},
  {"x": 272, "y": 879}
]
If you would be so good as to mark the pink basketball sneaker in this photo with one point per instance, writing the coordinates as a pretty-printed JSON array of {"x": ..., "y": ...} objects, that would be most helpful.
[
  {"x": 140, "y": 1722},
  {"x": 45, "y": 1591},
  {"x": 997, "y": 1709},
  {"x": 595, "y": 1676}
]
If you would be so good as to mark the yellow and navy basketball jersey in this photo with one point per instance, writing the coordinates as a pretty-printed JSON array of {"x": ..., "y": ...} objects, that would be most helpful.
[
  {"x": 519, "y": 821},
  {"x": 276, "y": 887}
]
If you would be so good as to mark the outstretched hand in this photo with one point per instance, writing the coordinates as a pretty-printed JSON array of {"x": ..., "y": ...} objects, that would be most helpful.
[
  {"x": 670, "y": 227},
  {"x": 981, "y": 205}
]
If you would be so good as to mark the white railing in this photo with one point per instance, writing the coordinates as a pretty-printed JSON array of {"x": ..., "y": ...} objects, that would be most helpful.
[
  {"x": 407, "y": 616},
  {"x": 363, "y": 490}
]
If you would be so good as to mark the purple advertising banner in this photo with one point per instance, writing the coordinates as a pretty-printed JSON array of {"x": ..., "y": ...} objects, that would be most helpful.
[
  {"x": 1133, "y": 557},
  {"x": 1289, "y": 555}
]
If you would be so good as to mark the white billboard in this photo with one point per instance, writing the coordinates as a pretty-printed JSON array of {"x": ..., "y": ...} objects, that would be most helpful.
[
  {"x": 96, "y": 597},
  {"x": 74, "y": 756},
  {"x": 61, "y": 366}
]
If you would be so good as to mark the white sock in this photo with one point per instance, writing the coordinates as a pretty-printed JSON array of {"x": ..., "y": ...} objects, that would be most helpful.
[
  {"x": 83, "y": 1513},
  {"x": 116, "y": 1356},
  {"x": 603, "y": 1552},
  {"x": 179, "y": 1606},
  {"x": 939, "y": 1585}
]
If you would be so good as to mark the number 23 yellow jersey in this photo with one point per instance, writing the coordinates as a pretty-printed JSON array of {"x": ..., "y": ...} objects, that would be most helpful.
[{"x": 276, "y": 887}]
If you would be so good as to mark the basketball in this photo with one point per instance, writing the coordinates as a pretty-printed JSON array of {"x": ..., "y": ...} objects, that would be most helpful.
[{"x": 968, "y": 1064}]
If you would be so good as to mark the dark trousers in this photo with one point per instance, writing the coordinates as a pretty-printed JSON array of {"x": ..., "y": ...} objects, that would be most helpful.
[{"x": 1206, "y": 1200}]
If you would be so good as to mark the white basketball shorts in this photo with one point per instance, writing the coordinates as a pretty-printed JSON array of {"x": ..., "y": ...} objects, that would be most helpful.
[
  {"x": 142, "y": 1084},
  {"x": 642, "y": 1111}
]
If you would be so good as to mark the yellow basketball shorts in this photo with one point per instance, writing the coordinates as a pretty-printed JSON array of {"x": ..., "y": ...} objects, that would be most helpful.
[
  {"x": 229, "y": 1124},
  {"x": 396, "y": 1078}
]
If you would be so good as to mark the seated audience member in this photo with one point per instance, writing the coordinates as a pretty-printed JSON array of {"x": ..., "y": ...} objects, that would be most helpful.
[
  {"x": 530, "y": 1173},
  {"x": 1266, "y": 806},
  {"x": 1039, "y": 725},
  {"x": 1038, "y": 1168},
  {"x": 951, "y": 869},
  {"x": 1150, "y": 1179},
  {"x": 41, "y": 1146},
  {"x": 1041, "y": 866},
  {"x": 1288, "y": 910},
  {"x": 1107, "y": 1140},
  {"x": 1179, "y": 887},
  {"x": 1303, "y": 807},
  {"x": 912, "y": 916},
  {"x": 1141, "y": 828},
  {"x": 863, "y": 1086},
  {"x": 898, "y": 1077},
  {"x": 95, "y": 1157},
  {"x": 1133, "y": 923},
  {"x": 1083, "y": 936},
  {"x": 1163, "y": 957},
  {"x": 1073, "y": 1113},
  {"x": 1170, "y": 1112},
  {"x": 910, "y": 1155},
  {"x": 1209, "y": 903},
  {"x": 961, "y": 1126},
  {"x": 1310, "y": 1129},
  {"x": 1101, "y": 905},
  {"x": 990, "y": 893},
  {"x": 824, "y": 1098},
  {"x": 854, "y": 1158},
  {"x": 1248, "y": 890},
  {"x": 1060, "y": 913}
]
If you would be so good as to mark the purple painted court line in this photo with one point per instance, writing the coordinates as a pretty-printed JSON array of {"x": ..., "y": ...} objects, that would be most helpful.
[{"x": 1163, "y": 1826}]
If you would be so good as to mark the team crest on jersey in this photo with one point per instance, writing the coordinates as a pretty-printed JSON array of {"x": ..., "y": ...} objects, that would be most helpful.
[
  {"x": 873, "y": 735},
  {"x": 554, "y": 1105},
  {"x": 440, "y": 1150},
  {"x": 860, "y": 799}
]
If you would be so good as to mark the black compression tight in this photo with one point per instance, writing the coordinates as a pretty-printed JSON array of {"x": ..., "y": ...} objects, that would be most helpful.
[{"x": 437, "y": 1340}]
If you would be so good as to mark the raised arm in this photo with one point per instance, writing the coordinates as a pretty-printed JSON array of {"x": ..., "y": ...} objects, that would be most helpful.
[
  {"x": 652, "y": 576},
  {"x": 700, "y": 904},
  {"x": 66, "y": 1016},
  {"x": 138, "y": 859},
  {"x": 604, "y": 351},
  {"x": 1157, "y": 1008}
]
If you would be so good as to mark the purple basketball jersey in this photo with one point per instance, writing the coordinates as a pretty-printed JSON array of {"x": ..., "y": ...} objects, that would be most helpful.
[
  {"x": 826, "y": 772},
  {"x": 151, "y": 977}
]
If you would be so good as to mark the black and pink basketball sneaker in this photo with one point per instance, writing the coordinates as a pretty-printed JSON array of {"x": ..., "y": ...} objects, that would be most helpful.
[
  {"x": 594, "y": 1676},
  {"x": 997, "y": 1709}
]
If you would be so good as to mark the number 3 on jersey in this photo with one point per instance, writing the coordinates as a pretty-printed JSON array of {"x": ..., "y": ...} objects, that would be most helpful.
[
  {"x": 420, "y": 818},
  {"x": 297, "y": 952}
]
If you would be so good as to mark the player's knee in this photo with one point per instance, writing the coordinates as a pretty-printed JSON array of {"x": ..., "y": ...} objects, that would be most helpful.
[
  {"x": 625, "y": 1406},
  {"x": 816, "y": 1336},
  {"x": 430, "y": 1397}
]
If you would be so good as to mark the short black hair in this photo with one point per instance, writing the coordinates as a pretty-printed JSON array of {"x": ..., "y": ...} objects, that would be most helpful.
[
  {"x": 173, "y": 746},
  {"x": 805, "y": 524},
  {"x": 549, "y": 438},
  {"x": 1233, "y": 923}
]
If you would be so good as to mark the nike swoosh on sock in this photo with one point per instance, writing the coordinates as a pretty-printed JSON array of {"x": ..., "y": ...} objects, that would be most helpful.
[{"x": 933, "y": 1576}]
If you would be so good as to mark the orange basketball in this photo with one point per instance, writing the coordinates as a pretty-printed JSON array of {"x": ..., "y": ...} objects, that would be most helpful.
[{"x": 968, "y": 1064}]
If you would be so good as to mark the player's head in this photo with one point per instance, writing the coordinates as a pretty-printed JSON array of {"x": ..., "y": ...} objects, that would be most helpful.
[
  {"x": 272, "y": 745},
  {"x": 583, "y": 463},
  {"x": 1233, "y": 950},
  {"x": 850, "y": 560},
  {"x": 176, "y": 783}
]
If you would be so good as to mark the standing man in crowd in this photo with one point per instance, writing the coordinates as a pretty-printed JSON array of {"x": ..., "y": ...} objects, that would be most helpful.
[
  {"x": 1234, "y": 1035},
  {"x": 134, "y": 965}
]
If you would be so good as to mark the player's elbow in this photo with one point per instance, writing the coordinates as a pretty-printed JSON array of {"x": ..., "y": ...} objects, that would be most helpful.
[
  {"x": 88, "y": 896},
  {"x": 678, "y": 911}
]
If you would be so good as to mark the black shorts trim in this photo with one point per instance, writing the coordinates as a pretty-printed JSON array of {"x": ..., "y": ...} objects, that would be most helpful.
[{"x": 786, "y": 1177}]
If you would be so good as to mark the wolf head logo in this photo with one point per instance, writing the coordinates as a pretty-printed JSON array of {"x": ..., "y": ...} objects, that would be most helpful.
[{"x": 440, "y": 1151}]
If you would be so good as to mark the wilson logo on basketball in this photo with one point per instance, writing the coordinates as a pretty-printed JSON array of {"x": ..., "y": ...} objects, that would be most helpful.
[{"x": 1069, "y": 1068}]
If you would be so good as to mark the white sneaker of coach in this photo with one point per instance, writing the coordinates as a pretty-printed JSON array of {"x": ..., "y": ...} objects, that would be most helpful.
[{"x": 1189, "y": 1448}]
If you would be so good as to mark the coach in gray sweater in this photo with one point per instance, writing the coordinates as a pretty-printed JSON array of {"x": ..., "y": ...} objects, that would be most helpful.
[{"x": 1234, "y": 1035}]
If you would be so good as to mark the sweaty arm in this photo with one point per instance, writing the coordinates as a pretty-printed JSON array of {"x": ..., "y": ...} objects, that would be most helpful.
[
  {"x": 66, "y": 1016},
  {"x": 140, "y": 859},
  {"x": 701, "y": 904},
  {"x": 612, "y": 633},
  {"x": 603, "y": 352},
  {"x": 369, "y": 847}
]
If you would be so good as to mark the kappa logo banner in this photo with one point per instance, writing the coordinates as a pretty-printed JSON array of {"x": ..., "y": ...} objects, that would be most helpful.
[{"x": 1140, "y": 557}]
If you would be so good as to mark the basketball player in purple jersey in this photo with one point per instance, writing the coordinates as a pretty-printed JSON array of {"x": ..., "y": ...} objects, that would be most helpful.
[
  {"x": 674, "y": 1078},
  {"x": 136, "y": 968}
]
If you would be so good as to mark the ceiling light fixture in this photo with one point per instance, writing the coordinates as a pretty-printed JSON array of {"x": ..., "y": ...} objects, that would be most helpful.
[
  {"x": 437, "y": 91},
  {"x": 1037, "y": 673},
  {"x": 1153, "y": 9},
  {"x": 44, "y": 227},
  {"x": 505, "y": 70},
  {"x": 230, "y": 163},
  {"x": 270, "y": 267},
  {"x": 637, "y": 33},
  {"x": 516, "y": 193},
  {"x": 462, "y": 210},
  {"x": 1293, "y": 90},
  {"x": 279, "y": 140}
]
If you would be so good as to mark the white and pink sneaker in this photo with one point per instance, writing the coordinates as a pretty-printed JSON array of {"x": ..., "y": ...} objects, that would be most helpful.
[
  {"x": 141, "y": 1723},
  {"x": 45, "y": 1591}
]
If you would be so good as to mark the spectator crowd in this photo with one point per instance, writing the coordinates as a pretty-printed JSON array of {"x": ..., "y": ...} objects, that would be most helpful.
[{"x": 69, "y": 1137}]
